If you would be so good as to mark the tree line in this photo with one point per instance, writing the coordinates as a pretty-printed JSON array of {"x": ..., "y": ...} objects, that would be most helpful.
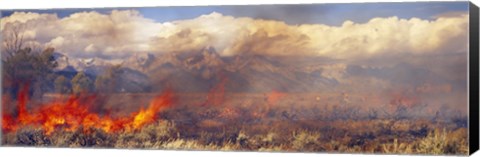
[{"x": 32, "y": 65}]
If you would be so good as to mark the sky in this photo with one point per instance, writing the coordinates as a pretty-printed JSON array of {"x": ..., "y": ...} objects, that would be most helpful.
[
  {"x": 337, "y": 31},
  {"x": 329, "y": 14}
]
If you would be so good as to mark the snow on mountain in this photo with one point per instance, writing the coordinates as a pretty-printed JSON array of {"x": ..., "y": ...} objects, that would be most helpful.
[
  {"x": 62, "y": 61},
  {"x": 139, "y": 61}
]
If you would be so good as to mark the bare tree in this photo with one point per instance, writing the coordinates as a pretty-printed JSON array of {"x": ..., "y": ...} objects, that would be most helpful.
[
  {"x": 25, "y": 61},
  {"x": 13, "y": 39}
]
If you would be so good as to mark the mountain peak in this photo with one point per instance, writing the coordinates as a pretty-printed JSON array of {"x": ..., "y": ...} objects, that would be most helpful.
[
  {"x": 139, "y": 61},
  {"x": 62, "y": 60},
  {"x": 210, "y": 51},
  {"x": 141, "y": 58},
  {"x": 208, "y": 57}
]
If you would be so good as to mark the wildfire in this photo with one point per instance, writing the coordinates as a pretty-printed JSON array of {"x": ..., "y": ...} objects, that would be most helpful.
[
  {"x": 274, "y": 96},
  {"x": 229, "y": 113},
  {"x": 149, "y": 115},
  {"x": 216, "y": 96},
  {"x": 74, "y": 113},
  {"x": 271, "y": 100},
  {"x": 404, "y": 100}
]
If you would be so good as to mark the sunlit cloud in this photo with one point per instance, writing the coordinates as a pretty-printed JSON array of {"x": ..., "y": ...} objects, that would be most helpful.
[{"x": 121, "y": 33}]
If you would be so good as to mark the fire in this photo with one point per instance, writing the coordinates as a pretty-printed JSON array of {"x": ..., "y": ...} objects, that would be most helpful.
[
  {"x": 274, "y": 96},
  {"x": 271, "y": 100},
  {"x": 405, "y": 100},
  {"x": 149, "y": 115},
  {"x": 229, "y": 113},
  {"x": 216, "y": 96},
  {"x": 74, "y": 113},
  {"x": 23, "y": 116},
  {"x": 8, "y": 123}
]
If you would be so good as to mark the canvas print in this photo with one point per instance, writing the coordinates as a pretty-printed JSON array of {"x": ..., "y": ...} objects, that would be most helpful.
[{"x": 331, "y": 78}]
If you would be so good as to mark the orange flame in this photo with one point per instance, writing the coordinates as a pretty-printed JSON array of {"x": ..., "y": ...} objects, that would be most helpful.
[
  {"x": 402, "y": 99},
  {"x": 74, "y": 113},
  {"x": 148, "y": 116},
  {"x": 23, "y": 115},
  {"x": 274, "y": 96},
  {"x": 216, "y": 96},
  {"x": 271, "y": 100},
  {"x": 8, "y": 123}
]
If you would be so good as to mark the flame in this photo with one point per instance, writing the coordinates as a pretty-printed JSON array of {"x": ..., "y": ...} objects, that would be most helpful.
[
  {"x": 23, "y": 115},
  {"x": 149, "y": 115},
  {"x": 274, "y": 96},
  {"x": 216, "y": 96},
  {"x": 8, "y": 123},
  {"x": 74, "y": 113},
  {"x": 229, "y": 113},
  {"x": 402, "y": 99},
  {"x": 271, "y": 100}
]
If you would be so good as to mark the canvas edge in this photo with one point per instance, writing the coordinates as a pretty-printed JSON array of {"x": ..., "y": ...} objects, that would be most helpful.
[{"x": 473, "y": 78}]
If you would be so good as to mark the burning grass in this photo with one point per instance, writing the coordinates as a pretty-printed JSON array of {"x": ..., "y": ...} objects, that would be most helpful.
[
  {"x": 74, "y": 113},
  {"x": 254, "y": 123}
]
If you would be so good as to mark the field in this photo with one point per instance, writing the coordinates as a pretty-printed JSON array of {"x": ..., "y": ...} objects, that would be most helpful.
[{"x": 286, "y": 122}]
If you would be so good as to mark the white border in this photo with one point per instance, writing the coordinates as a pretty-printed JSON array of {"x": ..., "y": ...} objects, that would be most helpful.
[{"x": 76, "y": 152}]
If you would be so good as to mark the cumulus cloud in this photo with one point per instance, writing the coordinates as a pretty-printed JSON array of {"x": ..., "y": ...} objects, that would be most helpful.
[
  {"x": 121, "y": 33},
  {"x": 390, "y": 36},
  {"x": 379, "y": 36},
  {"x": 87, "y": 34}
]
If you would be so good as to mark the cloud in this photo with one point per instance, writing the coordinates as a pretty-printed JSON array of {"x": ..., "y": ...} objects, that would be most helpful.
[
  {"x": 377, "y": 37},
  {"x": 88, "y": 34},
  {"x": 121, "y": 33},
  {"x": 392, "y": 35}
]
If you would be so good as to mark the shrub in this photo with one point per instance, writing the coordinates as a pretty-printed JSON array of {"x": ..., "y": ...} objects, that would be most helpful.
[
  {"x": 397, "y": 148},
  {"x": 305, "y": 140}
]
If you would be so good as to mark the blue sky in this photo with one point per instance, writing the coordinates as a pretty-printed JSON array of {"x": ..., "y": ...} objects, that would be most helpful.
[{"x": 330, "y": 14}]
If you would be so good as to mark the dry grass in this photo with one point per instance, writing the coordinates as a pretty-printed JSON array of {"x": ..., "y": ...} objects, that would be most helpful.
[
  {"x": 166, "y": 135},
  {"x": 286, "y": 127}
]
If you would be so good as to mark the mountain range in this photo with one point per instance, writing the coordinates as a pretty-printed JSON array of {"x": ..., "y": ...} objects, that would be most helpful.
[{"x": 200, "y": 71}]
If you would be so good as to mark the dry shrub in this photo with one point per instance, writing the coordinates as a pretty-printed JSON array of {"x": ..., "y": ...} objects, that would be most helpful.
[
  {"x": 182, "y": 144},
  {"x": 149, "y": 136},
  {"x": 434, "y": 143},
  {"x": 397, "y": 148},
  {"x": 443, "y": 142},
  {"x": 28, "y": 136},
  {"x": 305, "y": 140}
]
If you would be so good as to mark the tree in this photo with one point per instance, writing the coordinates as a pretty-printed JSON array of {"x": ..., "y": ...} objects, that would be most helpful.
[
  {"x": 81, "y": 83},
  {"x": 27, "y": 67},
  {"x": 25, "y": 64},
  {"x": 101, "y": 83},
  {"x": 62, "y": 85},
  {"x": 106, "y": 82},
  {"x": 13, "y": 39}
]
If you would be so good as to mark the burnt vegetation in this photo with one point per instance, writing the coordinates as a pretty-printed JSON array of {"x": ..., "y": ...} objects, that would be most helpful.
[{"x": 248, "y": 127}]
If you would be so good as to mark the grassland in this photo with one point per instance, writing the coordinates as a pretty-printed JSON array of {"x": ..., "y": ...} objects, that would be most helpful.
[{"x": 254, "y": 125}]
